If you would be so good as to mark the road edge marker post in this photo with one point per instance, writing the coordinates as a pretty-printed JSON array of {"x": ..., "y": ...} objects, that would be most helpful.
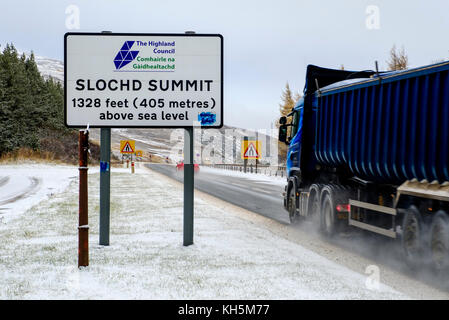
[
  {"x": 257, "y": 145},
  {"x": 83, "y": 226},
  {"x": 245, "y": 161}
]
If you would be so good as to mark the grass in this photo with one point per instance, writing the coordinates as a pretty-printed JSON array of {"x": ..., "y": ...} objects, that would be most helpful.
[
  {"x": 26, "y": 154},
  {"x": 55, "y": 147}
]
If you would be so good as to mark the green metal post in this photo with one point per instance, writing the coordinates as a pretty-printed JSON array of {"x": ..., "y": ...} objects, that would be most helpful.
[
  {"x": 189, "y": 183},
  {"x": 105, "y": 184},
  {"x": 188, "y": 187}
]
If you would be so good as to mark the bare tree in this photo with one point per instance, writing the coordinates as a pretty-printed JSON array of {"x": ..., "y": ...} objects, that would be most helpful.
[
  {"x": 288, "y": 101},
  {"x": 296, "y": 97},
  {"x": 398, "y": 59}
]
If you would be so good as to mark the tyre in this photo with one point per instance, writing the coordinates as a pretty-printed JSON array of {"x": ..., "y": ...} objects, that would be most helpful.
[
  {"x": 439, "y": 242},
  {"x": 412, "y": 240},
  {"x": 291, "y": 205},
  {"x": 328, "y": 224},
  {"x": 313, "y": 203}
]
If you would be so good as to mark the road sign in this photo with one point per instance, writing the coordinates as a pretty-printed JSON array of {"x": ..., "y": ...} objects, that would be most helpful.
[
  {"x": 143, "y": 80},
  {"x": 127, "y": 146},
  {"x": 251, "y": 149},
  {"x": 139, "y": 153}
]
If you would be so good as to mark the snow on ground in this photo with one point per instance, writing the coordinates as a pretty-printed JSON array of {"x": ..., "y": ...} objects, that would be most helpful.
[
  {"x": 26, "y": 185},
  {"x": 233, "y": 257},
  {"x": 259, "y": 177}
]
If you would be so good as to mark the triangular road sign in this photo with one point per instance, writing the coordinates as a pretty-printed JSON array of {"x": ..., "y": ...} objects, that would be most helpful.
[
  {"x": 251, "y": 152},
  {"x": 127, "y": 148}
]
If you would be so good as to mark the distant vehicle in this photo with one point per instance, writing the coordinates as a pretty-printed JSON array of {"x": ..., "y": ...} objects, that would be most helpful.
[
  {"x": 370, "y": 150},
  {"x": 180, "y": 166}
]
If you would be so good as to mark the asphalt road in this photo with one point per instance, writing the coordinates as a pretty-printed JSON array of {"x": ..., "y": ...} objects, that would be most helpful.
[{"x": 261, "y": 197}]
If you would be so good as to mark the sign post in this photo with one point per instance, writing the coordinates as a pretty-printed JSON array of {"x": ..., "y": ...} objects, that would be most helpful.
[
  {"x": 189, "y": 183},
  {"x": 189, "y": 186},
  {"x": 243, "y": 146},
  {"x": 105, "y": 184},
  {"x": 139, "y": 80}
]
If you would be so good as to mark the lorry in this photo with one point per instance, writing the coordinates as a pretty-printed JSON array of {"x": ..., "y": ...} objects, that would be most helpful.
[{"x": 370, "y": 150}]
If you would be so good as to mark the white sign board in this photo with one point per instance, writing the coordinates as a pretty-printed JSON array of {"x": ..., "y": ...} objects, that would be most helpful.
[{"x": 143, "y": 80}]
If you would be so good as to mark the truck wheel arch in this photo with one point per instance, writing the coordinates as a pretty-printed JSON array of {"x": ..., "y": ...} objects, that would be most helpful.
[{"x": 292, "y": 183}]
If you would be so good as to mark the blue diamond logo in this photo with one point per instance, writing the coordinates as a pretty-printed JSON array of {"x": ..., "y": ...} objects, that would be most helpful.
[{"x": 125, "y": 55}]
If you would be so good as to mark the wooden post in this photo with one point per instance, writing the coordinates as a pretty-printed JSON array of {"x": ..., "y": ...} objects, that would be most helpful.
[{"x": 83, "y": 227}]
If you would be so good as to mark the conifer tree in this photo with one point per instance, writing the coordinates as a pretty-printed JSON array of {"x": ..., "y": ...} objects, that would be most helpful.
[{"x": 30, "y": 107}]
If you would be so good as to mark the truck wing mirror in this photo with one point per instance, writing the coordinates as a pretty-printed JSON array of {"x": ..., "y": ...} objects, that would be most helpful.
[
  {"x": 283, "y": 120},
  {"x": 283, "y": 133}
]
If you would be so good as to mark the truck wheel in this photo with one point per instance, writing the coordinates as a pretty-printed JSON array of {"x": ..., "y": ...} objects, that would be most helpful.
[
  {"x": 412, "y": 237},
  {"x": 327, "y": 216},
  {"x": 313, "y": 204},
  {"x": 439, "y": 242},
  {"x": 291, "y": 206}
]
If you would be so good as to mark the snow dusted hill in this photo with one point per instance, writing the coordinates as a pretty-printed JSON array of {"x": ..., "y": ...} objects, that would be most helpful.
[
  {"x": 211, "y": 145},
  {"x": 162, "y": 141},
  {"x": 50, "y": 68}
]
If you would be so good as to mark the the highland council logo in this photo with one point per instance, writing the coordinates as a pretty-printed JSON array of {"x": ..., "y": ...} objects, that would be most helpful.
[{"x": 125, "y": 55}]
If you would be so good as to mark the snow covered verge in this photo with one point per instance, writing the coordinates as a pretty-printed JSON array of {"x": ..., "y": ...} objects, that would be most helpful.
[
  {"x": 248, "y": 175},
  {"x": 25, "y": 185},
  {"x": 233, "y": 257}
]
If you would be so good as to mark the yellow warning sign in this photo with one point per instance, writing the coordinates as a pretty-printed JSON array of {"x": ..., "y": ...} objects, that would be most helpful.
[
  {"x": 139, "y": 153},
  {"x": 127, "y": 146},
  {"x": 251, "y": 149}
]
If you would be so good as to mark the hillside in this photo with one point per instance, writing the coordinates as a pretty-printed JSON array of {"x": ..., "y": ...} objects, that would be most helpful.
[{"x": 32, "y": 111}]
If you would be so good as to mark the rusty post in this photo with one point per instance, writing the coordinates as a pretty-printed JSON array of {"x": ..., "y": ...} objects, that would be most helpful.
[{"x": 83, "y": 227}]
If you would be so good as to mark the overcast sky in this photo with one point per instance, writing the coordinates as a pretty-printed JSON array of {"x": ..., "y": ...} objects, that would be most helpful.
[{"x": 267, "y": 43}]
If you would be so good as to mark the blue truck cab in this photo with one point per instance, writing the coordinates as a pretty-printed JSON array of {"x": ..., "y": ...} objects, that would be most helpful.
[{"x": 294, "y": 138}]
